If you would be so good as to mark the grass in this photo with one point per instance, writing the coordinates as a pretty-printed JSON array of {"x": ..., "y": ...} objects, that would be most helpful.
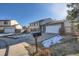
[{"x": 56, "y": 50}]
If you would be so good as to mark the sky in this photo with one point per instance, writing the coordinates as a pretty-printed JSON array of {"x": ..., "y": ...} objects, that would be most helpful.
[{"x": 26, "y": 13}]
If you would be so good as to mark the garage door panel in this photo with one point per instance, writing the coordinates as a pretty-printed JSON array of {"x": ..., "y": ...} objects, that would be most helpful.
[
  {"x": 52, "y": 29},
  {"x": 9, "y": 30}
]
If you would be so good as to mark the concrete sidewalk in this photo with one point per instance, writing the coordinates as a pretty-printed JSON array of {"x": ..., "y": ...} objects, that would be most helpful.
[{"x": 15, "y": 50}]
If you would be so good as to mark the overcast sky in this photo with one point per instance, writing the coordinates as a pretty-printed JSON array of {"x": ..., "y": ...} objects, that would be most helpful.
[{"x": 26, "y": 13}]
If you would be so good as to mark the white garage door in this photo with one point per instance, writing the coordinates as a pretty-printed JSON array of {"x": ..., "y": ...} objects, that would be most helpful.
[
  {"x": 53, "y": 29},
  {"x": 9, "y": 30}
]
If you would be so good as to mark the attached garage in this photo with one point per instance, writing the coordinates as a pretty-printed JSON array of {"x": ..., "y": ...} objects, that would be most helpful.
[
  {"x": 53, "y": 28},
  {"x": 9, "y": 30},
  {"x": 1, "y": 30}
]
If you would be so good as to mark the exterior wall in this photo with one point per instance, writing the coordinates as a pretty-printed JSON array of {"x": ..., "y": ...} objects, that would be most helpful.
[
  {"x": 67, "y": 26},
  {"x": 1, "y": 28},
  {"x": 16, "y": 24},
  {"x": 13, "y": 22},
  {"x": 18, "y": 30},
  {"x": 3, "y": 24},
  {"x": 46, "y": 21},
  {"x": 36, "y": 26},
  {"x": 43, "y": 28},
  {"x": 18, "y": 27}
]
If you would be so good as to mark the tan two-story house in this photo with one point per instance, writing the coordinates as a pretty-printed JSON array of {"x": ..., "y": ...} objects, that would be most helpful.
[
  {"x": 49, "y": 25},
  {"x": 10, "y": 26}
]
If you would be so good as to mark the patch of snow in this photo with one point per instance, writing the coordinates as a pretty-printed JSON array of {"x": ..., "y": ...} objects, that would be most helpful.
[{"x": 51, "y": 41}]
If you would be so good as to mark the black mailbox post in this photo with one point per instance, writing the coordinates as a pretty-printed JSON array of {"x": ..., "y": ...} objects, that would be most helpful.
[{"x": 36, "y": 35}]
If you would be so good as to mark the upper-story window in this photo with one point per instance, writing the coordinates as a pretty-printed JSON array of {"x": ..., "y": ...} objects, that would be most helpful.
[
  {"x": 34, "y": 24},
  {"x": 37, "y": 23},
  {"x": 31, "y": 24},
  {"x": 5, "y": 22}
]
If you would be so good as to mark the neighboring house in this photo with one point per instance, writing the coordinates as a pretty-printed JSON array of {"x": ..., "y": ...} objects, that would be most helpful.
[{"x": 10, "y": 26}]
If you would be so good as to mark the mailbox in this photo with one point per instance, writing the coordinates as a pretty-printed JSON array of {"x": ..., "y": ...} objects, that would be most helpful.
[{"x": 37, "y": 34}]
